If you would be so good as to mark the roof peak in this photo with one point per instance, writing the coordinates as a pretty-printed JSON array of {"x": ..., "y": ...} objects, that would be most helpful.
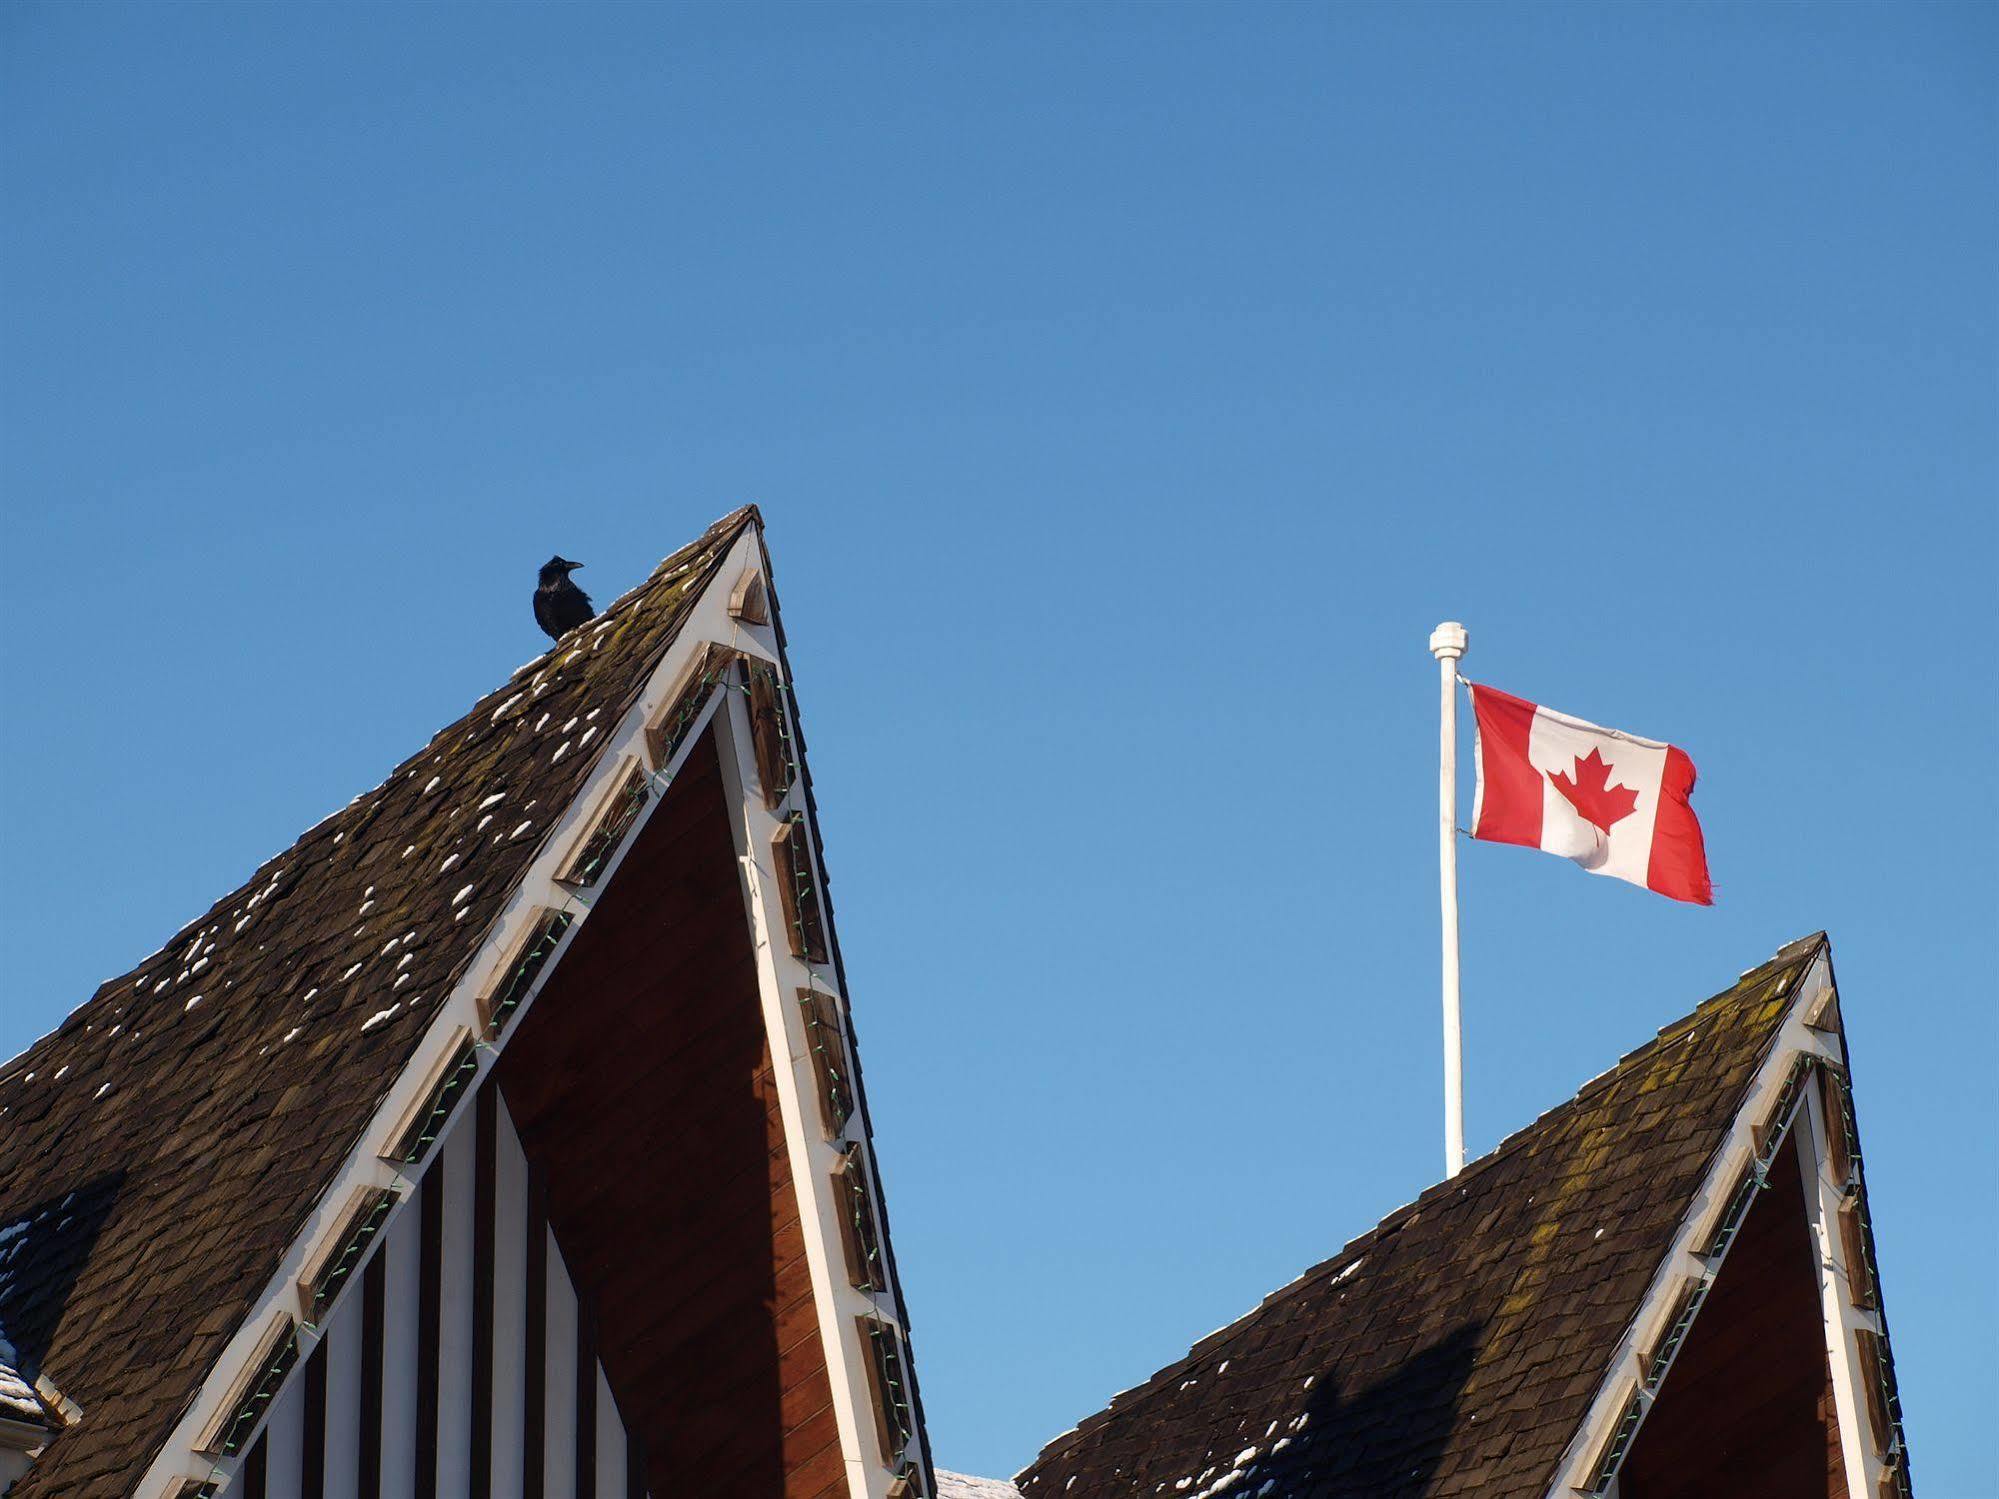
[
  {"x": 300, "y": 996},
  {"x": 1796, "y": 953},
  {"x": 1534, "y": 1185}
]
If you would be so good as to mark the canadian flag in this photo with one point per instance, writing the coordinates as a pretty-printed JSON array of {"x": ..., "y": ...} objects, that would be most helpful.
[{"x": 1614, "y": 803}]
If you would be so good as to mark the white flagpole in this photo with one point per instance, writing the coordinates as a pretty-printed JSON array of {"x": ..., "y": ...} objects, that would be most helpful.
[{"x": 1447, "y": 644}]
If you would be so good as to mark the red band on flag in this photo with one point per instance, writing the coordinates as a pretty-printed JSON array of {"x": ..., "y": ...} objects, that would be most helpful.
[
  {"x": 1509, "y": 787},
  {"x": 1678, "y": 867}
]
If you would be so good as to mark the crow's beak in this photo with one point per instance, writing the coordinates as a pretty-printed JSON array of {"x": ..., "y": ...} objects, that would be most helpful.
[{"x": 574, "y": 565}]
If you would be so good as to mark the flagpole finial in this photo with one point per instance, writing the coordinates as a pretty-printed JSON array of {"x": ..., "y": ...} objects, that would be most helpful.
[{"x": 1449, "y": 641}]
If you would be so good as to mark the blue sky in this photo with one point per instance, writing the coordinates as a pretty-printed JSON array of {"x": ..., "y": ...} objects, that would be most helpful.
[{"x": 1128, "y": 390}]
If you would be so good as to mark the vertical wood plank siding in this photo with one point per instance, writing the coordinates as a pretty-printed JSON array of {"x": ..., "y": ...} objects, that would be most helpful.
[
  {"x": 454, "y": 1347},
  {"x": 534, "y": 1424},
  {"x": 429, "y": 1322},
  {"x": 586, "y": 1398},
  {"x": 374, "y": 1300},
  {"x": 255, "y": 1465},
  {"x": 635, "y": 1465},
  {"x": 399, "y": 1358},
  {"x": 510, "y": 1211},
  {"x": 312, "y": 1445},
  {"x": 559, "y": 1359},
  {"x": 342, "y": 1349},
  {"x": 484, "y": 1194},
  {"x": 546, "y": 1429}
]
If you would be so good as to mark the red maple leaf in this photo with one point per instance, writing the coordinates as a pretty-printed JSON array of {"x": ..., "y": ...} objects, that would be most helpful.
[{"x": 1591, "y": 793}]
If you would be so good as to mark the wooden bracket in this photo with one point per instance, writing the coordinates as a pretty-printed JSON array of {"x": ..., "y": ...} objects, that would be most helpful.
[{"x": 749, "y": 600}]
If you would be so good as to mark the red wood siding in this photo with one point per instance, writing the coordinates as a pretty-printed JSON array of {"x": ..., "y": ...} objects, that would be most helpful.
[
  {"x": 642, "y": 1086},
  {"x": 1747, "y": 1407}
]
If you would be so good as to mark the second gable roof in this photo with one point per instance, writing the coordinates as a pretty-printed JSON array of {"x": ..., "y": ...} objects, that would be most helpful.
[{"x": 1456, "y": 1347}]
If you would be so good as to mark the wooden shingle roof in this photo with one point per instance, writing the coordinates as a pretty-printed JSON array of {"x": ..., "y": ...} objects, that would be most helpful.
[
  {"x": 1456, "y": 1348},
  {"x": 160, "y": 1149}
]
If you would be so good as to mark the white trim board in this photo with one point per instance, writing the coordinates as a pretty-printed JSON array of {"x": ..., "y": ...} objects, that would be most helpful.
[{"x": 813, "y": 1158}]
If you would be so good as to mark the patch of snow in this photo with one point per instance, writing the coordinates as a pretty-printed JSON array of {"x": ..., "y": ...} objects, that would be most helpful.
[
  {"x": 964, "y": 1486},
  {"x": 517, "y": 832},
  {"x": 561, "y": 750},
  {"x": 460, "y": 898},
  {"x": 190, "y": 1004},
  {"x": 379, "y": 1016},
  {"x": 446, "y": 866},
  {"x": 1227, "y": 1481},
  {"x": 17, "y": 1396},
  {"x": 492, "y": 801}
]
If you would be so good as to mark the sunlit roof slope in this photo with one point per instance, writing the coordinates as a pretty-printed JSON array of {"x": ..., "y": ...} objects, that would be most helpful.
[{"x": 1457, "y": 1347}]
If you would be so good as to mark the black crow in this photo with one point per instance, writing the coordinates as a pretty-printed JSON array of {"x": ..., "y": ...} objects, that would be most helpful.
[{"x": 559, "y": 604}]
